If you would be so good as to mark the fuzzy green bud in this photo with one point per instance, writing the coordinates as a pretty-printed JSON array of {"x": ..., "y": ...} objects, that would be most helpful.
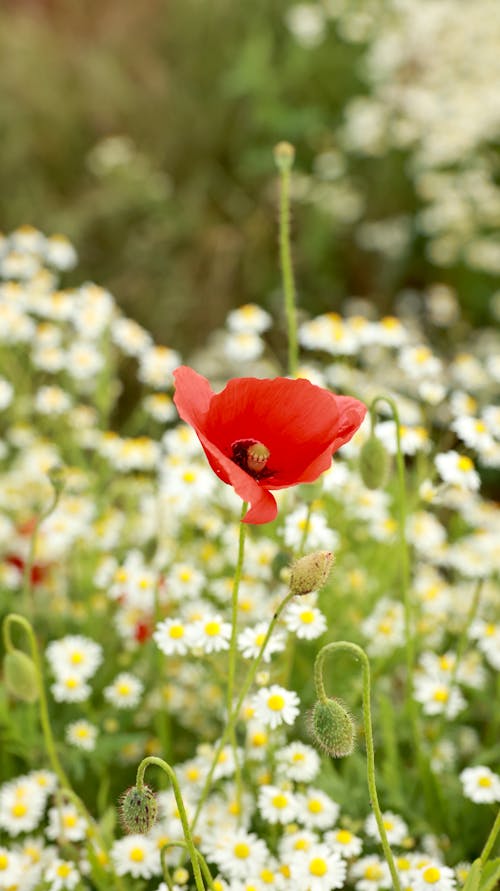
[
  {"x": 20, "y": 676},
  {"x": 311, "y": 572},
  {"x": 138, "y": 809},
  {"x": 332, "y": 728},
  {"x": 284, "y": 155},
  {"x": 374, "y": 463}
]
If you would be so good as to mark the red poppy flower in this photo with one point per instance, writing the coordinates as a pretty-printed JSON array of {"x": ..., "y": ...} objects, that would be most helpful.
[{"x": 266, "y": 434}]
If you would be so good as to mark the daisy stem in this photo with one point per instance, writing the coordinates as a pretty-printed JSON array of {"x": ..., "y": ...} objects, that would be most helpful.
[
  {"x": 284, "y": 154},
  {"x": 203, "y": 864},
  {"x": 233, "y": 716},
  {"x": 15, "y": 619},
  {"x": 193, "y": 853},
  {"x": 27, "y": 593},
  {"x": 490, "y": 841},
  {"x": 359, "y": 653}
]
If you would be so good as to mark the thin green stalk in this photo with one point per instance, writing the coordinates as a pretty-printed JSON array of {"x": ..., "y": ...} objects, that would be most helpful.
[
  {"x": 27, "y": 590},
  {"x": 50, "y": 746},
  {"x": 490, "y": 841},
  {"x": 284, "y": 155},
  {"x": 233, "y": 716},
  {"x": 359, "y": 653},
  {"x": 233, "y": 650},
  {"x": 203, "y": 864},
  {"x": 193, "y": 853}
]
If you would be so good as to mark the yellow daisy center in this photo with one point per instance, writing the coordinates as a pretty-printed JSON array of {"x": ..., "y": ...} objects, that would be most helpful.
[
  {"x": 318, "y": 866},
  {"x": 276, "y": 702}
]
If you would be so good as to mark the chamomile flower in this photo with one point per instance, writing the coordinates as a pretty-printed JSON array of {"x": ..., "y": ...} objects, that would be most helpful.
[
  {"x": 74, "y": 653},
  {"x": 395, "y": 827},
  {"x": 434, "y": 876},
  {"x": 82, "y": 734},
  {"x": 12, "y": 867},
  {"x": 251, "y": 639},
  {"x": 249, "y": 317},
  {"x": 61, "y": 875},
  {"x": 156, "y": 364},
  {"x": 457, "y": 470},
  {"x": 136, "y": 855},
  {"x": 344, "y": 842},
  {"x": 318, "y": 869},
  {"x": 298, "y": 762},
  {"x": 480, "y": 784},
  {"x": 277, "y": 805},
  {"x": 317, "y": 810},
  {"x": 236, "y": 853},
  {"x": 437, "y": 697},
  {"x": 370, "y": 873},
  {"x": 305, "y": 620},
  {"x": 274, "y": 706},
  {"x": 173, "y": 637},
  {"x": 211, "y": 634},
  {"x": 22, "y": 804},
  {"x": 125, "y": 691},
  {"x": 65, "y": 822},
  {"x": 83, "y": 360},
  {"x": 314, "y": 527},
  {"x": 70, "y": 686}
]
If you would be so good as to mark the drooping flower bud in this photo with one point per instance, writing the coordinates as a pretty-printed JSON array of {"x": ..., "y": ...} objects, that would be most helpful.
[
  {"x": 310, "y": 573},
  {"x": 20, "y": 676},
  {"x": 374, "y": 463},
  {"x": 332, "y": 728},
  {"x": 138, "y": 809}
]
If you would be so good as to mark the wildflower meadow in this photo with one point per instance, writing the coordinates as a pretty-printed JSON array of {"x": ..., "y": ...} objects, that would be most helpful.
[{"x": 230, "y": 663}]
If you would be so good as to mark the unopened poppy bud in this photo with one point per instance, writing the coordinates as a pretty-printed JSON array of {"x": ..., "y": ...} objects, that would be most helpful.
[
  {"x": 284, "y": 155},
  {"x": 311, "y": 572},
  {"x": 332, "y": 728},
  {"x": 20, "y": 676},
  {"x": 138, "y": 809},
  {"x": 374, "y": 462}
]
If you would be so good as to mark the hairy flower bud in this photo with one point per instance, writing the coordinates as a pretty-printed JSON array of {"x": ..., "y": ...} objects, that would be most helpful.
[
  {"x": 374, "y": 462},
  {"x": 20, "y": 676},
  {"x": 138, "y": 809},
  {"x": 311, "y": 572},
  {"x": 332, "y": 728}
]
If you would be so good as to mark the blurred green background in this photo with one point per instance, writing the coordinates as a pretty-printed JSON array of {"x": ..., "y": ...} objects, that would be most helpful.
[{"x": 144, "y": 131}]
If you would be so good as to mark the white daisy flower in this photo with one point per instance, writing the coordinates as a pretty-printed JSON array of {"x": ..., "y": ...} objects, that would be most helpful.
[
  {"x": 70, "y": 687},
  {"x": 82, "y": 734},
  {"x": 249, "y": 318},
  {"x": 480, "y": 784},
  {"x": 274, "y": 706},
  {"x": 317, "y": 810},
  {"x": 173, "y": 637},
  {"x": 318, "y": 869},
  {"x": 65, "y": 822},
  {"x": 457, "y": 470},
  {"x": 12, "y": 868},
  {"x": 61, "y": 874},
  {"x": 370, "y": 873},
  {"x": 434, "y": 876},
  {"x": 76, "y": 654},
  {"x": 83, "y": 360},
  {"x": 396, "y": 829},
  {"x": 156, "y": 364},
  {"x": 236, "y": 853},
  {"x": 243, "y": 347},
  {"x": 136, "y": 855},
  {"x": 437, "y": 697},
  {"x": 306, "y": 621},
  {"x": 277, "y": 805},
  {"x": 211, "y": 634},
  {"x": 125, "y": 691},
  {"x": 251, "y": 639},
  {"x": 344, "y": 842},
  {"x": 298, "y": 762},
  {"x": 22, "y": 803}
]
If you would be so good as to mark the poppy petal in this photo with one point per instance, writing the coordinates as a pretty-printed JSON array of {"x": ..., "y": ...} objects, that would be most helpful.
[{"x": 192, "y": 395}]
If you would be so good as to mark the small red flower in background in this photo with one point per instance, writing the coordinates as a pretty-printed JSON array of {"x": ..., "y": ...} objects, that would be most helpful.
[{"x": 266, "y": 434}]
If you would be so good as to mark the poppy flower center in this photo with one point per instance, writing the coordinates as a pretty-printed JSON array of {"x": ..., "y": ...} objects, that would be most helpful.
[{"x": 252, "y": 456}]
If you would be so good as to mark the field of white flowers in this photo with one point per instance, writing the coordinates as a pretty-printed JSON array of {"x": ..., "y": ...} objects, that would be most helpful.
[{"x": 304, "y": 701}]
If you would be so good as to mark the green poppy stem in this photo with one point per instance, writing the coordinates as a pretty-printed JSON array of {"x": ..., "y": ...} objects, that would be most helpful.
[
  {"x": 284, "y": 155},
  {"x": 359, "y": 653}
]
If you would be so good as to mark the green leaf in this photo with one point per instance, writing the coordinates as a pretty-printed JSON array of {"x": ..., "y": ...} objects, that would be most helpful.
[{"x": 474, "y": 877}]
